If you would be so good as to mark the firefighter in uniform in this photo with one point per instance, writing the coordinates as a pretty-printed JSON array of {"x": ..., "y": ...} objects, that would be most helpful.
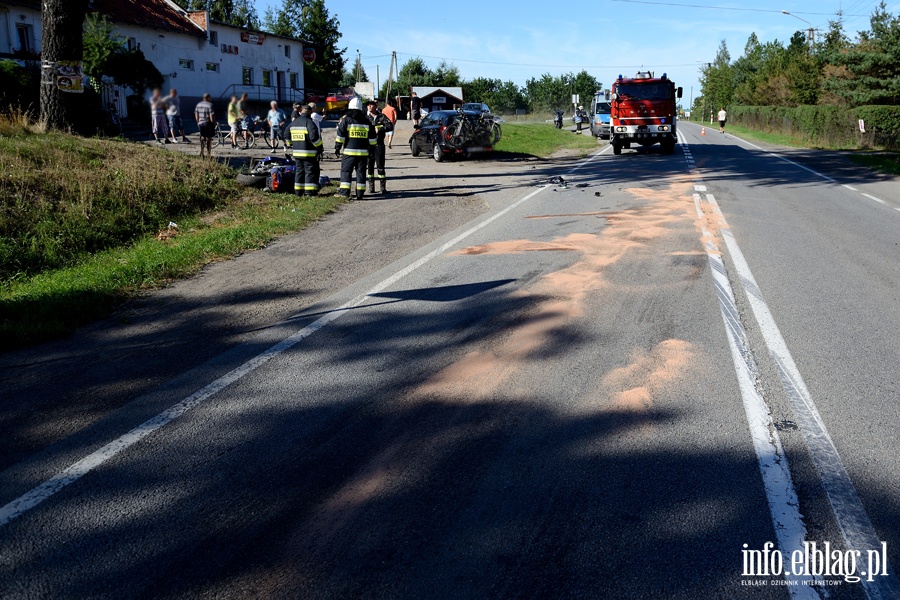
[
  {"x": 306, "y": 146},
  {"x": 356, "y": 137},
  {"x": 382, "y": 126}
]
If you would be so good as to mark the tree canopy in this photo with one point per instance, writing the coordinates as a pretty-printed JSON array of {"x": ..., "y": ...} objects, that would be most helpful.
[{"x": 310, "y": 20}]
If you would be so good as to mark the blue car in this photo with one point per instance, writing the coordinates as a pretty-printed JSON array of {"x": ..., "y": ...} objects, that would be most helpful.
[{"x": 600, "y": 119}]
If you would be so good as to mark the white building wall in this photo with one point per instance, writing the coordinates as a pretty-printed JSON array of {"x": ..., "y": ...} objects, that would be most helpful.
[
  {"x": 195, "y": 66},
  {"x": 166, "y": 50},
  {"x": 10, "y": 17}
]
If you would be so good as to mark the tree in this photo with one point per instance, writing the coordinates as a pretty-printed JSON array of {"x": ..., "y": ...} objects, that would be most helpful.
[
  {"x": 446, "y": 75},
  {"x": 239, "y": 13},
  {"x": 100, "y": 44},
  {"x": 872, "y": 66},
  {"x": 309, "y": 20},
  {"x": 61, "y": 41},
  {"x": 413, "y": 73}
]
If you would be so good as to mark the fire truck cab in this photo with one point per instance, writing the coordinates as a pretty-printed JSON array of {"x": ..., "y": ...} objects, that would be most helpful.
[{"x": 643, "y": 112}]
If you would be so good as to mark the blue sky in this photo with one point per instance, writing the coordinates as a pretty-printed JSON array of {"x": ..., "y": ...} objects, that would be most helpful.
[{"x": 499, "y": 38}]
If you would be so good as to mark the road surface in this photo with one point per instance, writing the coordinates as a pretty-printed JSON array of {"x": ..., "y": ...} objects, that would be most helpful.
[{"x": 608, "y": 389}]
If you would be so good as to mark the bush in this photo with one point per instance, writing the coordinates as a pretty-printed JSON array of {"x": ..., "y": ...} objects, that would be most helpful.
[
  {"x": 19, "y": 87},
  {"x": 825, "y": 126},
  {"x": 63, "y": 197}
]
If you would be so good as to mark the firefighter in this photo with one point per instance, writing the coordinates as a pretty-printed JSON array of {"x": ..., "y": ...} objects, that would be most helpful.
[
  {"x": 383, "y": 126},
  {"x": 306, "y": 146},
  {"x": 356, "y": 137}
]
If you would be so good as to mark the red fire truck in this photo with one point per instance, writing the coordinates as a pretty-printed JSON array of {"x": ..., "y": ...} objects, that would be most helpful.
[{"x": 643, "y": 112}]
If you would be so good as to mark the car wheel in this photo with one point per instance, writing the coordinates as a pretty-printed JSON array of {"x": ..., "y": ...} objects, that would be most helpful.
[
  {"x": 414, "y": 147},
  {"x": 438, "y": 153}
]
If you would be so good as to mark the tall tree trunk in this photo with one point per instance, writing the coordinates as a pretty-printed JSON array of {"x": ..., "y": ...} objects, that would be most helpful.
[{"x": 62, "y": 22}]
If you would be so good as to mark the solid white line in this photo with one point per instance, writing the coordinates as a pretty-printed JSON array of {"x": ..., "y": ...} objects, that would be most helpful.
[
  {"x": 858, "y": 531},
  {"x": 82, "y": 467},
  {"x": 773, "y": 466}
]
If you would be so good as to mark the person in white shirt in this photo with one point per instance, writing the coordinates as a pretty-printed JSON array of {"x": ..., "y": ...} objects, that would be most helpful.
[
  {"x": 723, "y": 116},
  {"x": 315, "y": 116},
  {"x": 276, "y": 121}
]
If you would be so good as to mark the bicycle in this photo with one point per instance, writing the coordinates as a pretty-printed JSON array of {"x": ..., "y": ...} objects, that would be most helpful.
[
  {"x": 224, "y": 133},
  {"x": 113, "y": 124}
]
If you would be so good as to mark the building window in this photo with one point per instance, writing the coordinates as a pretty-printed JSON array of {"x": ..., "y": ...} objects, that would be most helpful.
[
  {"x": 214, "y": 38},
  {"x": 287, "y": 51},
  {"x": 212, "y": 67},
  {"x": 247, "y": 78},
  {"x": 267, "y": 78},
  {"x": 131, "y": 44},
  {"x": 293, "y": 81},
  {"x": 187, "y": 65},
  {"x": 25, "y": 37}
]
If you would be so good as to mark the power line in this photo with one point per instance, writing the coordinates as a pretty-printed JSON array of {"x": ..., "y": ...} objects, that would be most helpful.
[
  {"x": 760, "y": 10},
  {"x": 511, "y": 64}
]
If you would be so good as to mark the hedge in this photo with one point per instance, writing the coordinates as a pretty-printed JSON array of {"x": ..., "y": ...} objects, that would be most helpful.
[{"x": 825, "y": 126}]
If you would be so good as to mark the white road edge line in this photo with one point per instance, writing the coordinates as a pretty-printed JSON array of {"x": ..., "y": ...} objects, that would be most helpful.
[
  {"x": 82, "y": 467},
  {"x": 857, "y": 529},
  {"x": 787, "y": 160},
  {"x": 773, "y": 467}
]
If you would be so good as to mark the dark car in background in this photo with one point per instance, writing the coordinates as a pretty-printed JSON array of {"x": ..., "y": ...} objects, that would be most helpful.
[
  {"x": 476, "y": 107},
  {"x": 437, "y": 135}
]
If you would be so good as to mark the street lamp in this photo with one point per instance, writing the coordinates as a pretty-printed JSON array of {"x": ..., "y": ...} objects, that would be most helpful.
[{"x": 811, "y": 32}]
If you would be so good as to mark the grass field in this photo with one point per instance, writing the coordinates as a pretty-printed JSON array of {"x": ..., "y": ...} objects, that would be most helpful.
[
  {"x": 542, "y": 140},
  {"x": 84, "y": 225}
]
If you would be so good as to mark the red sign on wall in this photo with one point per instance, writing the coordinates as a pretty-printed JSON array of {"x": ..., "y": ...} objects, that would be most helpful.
[
  {"x": 309, "y": 55},
  {"x": 253, "y": 38}
]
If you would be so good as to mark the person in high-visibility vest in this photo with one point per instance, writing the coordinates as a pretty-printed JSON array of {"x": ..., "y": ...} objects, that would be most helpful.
[
  {"x": 356, "y": 139},
  {"x": 382, "y": 126},
  {"x": 306, "y": 146}
]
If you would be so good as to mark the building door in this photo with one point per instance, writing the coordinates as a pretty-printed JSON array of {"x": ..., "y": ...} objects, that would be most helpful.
[{"x": 279, "y": 86}]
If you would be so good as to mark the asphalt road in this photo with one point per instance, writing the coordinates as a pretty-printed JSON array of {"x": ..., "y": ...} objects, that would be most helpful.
[{"x": 552, "y": 400}]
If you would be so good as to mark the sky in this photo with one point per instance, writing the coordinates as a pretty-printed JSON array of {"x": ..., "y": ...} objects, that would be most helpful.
[{"x": 518, "y": 40}]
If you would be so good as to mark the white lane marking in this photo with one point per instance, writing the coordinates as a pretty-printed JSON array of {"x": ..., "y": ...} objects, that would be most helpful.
[
  {"x": 82, "y": 467},
  {"x": 857, "y": 529},
  {"x": 825, "y": 177},
  {"x": 787, "y": 160},
  {"x": 773, "y": 466},
  {"x": 880, "y": 201}
]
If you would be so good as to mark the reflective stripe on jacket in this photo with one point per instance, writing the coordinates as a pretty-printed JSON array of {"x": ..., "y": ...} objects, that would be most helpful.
[
  {"x": 304, "y": 138},
  {"x": 355, "y": 134}
]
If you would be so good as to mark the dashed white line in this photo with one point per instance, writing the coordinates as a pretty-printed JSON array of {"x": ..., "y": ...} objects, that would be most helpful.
[
  {"x": 82, "y": 467},
  {"x": 850, "y": 187}
]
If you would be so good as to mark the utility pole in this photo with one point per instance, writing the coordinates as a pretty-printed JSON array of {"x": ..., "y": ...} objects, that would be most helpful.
[
  {"x": 390, "y": 79},
  {"x": 377, "y": 80}
]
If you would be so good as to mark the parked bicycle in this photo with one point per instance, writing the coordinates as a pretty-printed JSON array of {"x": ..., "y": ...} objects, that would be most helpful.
[{"x": 223, "y": 135}]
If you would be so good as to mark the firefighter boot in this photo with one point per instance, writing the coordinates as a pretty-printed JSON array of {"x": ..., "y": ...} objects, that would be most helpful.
[
  {"x": 371, "y": 186},
  {"x": 384, "y": 186}
]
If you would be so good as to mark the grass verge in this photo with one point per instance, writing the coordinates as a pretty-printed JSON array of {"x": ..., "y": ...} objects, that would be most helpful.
[
  {"x": 883, "y": 162},
  {"x": 53, "y": 303},
  {"x": 776, "y": 139},
  {"x": 79, "y": 219},
  {"x": 542, "y": 140}
]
